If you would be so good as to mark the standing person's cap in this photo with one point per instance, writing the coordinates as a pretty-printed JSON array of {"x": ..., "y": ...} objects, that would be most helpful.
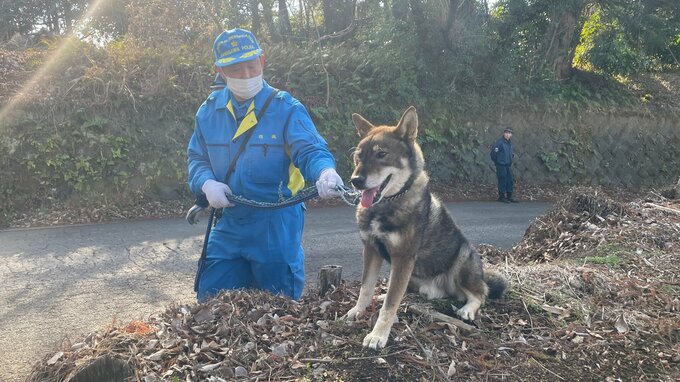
[
  {"x": 234, "y": 46},
  {"x": 508, "y": 130}
]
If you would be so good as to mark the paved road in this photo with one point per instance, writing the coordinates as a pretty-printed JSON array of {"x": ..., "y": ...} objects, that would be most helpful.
[{"x": 63, "y": 282}]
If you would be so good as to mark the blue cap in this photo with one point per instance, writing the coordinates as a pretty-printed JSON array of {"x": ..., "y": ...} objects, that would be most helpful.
[
  {"x": 508, "y": 130},
  {"x": 234, "y": 46}
]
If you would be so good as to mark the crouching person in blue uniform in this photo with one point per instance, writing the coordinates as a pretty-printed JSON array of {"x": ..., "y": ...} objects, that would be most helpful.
[{"x": 254, "y": 247}]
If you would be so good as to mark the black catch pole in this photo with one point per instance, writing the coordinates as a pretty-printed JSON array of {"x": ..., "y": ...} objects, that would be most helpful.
[{"x": 204, "y": 251}]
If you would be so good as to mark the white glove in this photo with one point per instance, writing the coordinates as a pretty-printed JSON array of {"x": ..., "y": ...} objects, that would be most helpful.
[
  {"x": 216, "y": 193},
  {"x": 328, "y": 182}
]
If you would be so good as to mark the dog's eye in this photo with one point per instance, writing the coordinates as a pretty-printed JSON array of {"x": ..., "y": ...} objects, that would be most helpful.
[{"x": 380, "y": 154}]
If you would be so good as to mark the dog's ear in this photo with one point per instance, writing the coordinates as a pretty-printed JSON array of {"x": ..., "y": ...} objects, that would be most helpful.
[
  {"x": 408, "y": 124},
  {"x": 362, "y": 125}
]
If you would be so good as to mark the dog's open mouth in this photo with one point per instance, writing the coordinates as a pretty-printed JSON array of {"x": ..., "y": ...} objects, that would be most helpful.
[{"x": 371, "y": 194}]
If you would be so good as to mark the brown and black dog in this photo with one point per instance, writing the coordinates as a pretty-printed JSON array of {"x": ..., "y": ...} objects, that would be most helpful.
[{"x": 401, "y": 221}]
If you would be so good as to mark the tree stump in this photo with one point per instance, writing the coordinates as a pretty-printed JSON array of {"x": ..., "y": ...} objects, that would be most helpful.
[
  {"x": 104, "y": 369},
  {"x": 329, "y": 278}
]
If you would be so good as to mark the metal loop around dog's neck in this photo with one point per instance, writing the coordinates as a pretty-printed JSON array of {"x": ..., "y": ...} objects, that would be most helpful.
[
  {"x": 398, "y": 195},
  {"x": 401, "y": 192}
]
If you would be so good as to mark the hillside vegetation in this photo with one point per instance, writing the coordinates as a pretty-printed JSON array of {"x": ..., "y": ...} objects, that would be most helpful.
[{"x": 97, "y": 111}]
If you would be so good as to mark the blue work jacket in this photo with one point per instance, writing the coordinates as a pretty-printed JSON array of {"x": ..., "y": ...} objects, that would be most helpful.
[
  {"x": 501, "y": 152},
  {"x": 284, "y": 150}
]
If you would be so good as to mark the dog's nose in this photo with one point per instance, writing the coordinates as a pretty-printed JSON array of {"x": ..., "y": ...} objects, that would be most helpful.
[{"x": 358, "y": 182}]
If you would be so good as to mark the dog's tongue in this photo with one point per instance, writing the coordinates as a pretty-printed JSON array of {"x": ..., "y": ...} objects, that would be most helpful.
[{"x": 367, "y": 197}]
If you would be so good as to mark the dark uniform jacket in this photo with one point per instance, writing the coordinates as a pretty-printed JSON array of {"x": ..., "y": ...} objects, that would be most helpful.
[{"x": 501, "y": 152}]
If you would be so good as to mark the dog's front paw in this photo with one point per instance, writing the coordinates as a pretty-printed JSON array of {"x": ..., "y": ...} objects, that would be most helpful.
[
  {"x": 376, "y": 339},
  {"x": 467, "y": 313},
  {"x": 353, "y": 313}
]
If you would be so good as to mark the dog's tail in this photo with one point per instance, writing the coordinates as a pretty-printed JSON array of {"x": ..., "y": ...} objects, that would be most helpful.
[{"x": 497, "y": 284}]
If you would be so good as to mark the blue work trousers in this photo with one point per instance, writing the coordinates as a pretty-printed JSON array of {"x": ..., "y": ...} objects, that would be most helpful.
[
  {"x": 260, "y": 250},
  {"x": 504, "y": 175}
]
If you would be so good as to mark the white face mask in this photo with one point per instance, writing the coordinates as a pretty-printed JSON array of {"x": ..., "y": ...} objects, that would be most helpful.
[{"x": 245, "y": 88}]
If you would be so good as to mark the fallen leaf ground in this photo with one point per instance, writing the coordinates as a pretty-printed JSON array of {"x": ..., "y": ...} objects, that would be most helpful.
[{"x": 593, "y": 296}]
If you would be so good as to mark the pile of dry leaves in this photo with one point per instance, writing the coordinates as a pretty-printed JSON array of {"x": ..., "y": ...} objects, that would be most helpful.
[
  {"x": 253, "y": 335},
  {"x": 593, "y": 296},
  {"x": 588, "y": 219}
]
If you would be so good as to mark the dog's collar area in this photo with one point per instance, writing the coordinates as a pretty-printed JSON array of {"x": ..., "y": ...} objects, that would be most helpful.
[
  {"x": 352, "y": 197},
  {"x": 398, "y": 195},
  {"x": 401, "y": 192},
  {"x": 405, "y": 189},
  {"x": 381, "y": 188}
]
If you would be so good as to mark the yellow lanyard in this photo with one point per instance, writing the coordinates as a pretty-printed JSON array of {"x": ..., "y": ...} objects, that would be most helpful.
[{"x": 248, "y": 121}]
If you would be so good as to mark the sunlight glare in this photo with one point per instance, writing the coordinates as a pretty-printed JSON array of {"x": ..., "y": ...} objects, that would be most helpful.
[{"x": 27, "y": 89}]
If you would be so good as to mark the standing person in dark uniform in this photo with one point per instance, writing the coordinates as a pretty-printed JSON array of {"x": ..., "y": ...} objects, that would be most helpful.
[{"x": 501, "y": 155}]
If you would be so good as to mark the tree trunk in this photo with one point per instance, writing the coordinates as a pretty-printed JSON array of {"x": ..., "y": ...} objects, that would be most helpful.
[
  {"x": 269, "y": 19},
  {"x": 327, "y": 9},
  {"x": 419, "y": 19},
  {"x": 305, "y": 13},
  {"x": 284, "y": 20},
  {"x": 330, "y": 277},
  {"x": 255, "y": 10},
  {"x": 562, "y": 37},
  {"x": 458, "y": 12},
  {"x": 53, "y": 23},
  {"x": 68, "y": 19}
]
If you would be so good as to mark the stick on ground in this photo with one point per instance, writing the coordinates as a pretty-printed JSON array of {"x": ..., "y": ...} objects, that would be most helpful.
[{"x": 441, "y": 317}]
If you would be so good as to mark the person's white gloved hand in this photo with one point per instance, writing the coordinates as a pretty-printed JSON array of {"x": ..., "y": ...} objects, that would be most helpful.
[
  {"x": 328, "y": 182},
  {"x": 216, "y": 193}
]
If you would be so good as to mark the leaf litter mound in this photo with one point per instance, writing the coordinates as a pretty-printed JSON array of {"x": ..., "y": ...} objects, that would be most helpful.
[
  {"x": 588, "y": 219},
  {"x": 593, "y": 296}
]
